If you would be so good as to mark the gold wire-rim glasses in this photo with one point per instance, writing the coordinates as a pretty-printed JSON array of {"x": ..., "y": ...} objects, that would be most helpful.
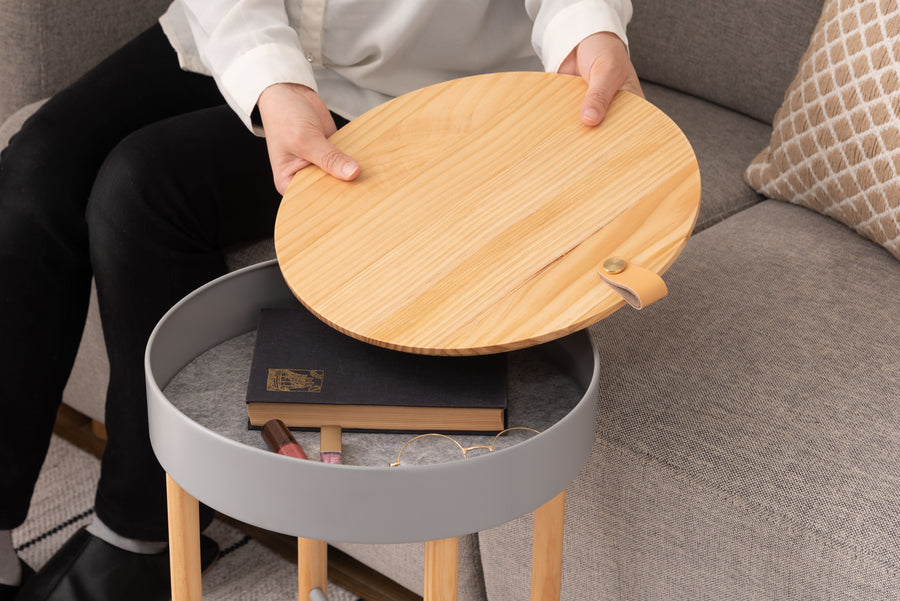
[{"x": 464, "y": 450}]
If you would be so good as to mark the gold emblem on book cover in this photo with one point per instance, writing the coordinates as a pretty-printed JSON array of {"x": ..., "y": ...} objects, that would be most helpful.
[{"x": 295, "y": 380}]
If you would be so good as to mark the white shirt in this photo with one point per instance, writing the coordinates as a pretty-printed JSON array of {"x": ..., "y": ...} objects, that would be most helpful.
[{"x": 359, "y": 53}]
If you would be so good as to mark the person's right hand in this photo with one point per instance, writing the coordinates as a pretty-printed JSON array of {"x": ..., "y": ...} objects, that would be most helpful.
[{"x": 297, "y": 125}]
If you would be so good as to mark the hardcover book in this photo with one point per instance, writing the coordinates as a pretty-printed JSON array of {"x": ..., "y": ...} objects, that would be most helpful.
[{"x": 308, "y": 375}]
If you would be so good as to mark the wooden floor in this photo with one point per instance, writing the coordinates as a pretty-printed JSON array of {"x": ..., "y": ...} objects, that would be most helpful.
[{"x": 343, "y": 570}]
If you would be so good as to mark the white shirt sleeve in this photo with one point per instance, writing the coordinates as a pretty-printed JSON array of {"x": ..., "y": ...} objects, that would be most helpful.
[
  {"x": 247, "y": 45},
  {"x": 559, "y": 25}
]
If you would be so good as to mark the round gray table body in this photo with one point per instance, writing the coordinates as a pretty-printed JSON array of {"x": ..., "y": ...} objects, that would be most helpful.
[{"x": 348, "y": 503}]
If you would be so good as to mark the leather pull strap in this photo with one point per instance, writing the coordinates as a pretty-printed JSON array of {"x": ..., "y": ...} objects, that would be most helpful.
[{"x": 638, "y": 286}]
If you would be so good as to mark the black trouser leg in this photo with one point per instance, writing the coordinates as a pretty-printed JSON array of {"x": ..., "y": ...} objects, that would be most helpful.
[
  {"x": 46, "y": 175},
  {"x": 167, "y": 201}
]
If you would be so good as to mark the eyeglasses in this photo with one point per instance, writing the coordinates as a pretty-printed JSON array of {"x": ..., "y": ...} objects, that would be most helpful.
[{"x": 434, "y": 447}]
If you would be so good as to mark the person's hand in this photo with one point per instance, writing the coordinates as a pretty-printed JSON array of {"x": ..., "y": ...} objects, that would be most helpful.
[
  {"x": 297, "y": 125},
  {"x": 602, "y": 61}
]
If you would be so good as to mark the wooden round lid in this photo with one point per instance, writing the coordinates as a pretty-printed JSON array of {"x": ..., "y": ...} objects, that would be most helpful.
[{"x": 481, "y": 213}]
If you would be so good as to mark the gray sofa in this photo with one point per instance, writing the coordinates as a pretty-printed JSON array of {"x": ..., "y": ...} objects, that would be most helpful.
[{"x": 748, "y": 438}]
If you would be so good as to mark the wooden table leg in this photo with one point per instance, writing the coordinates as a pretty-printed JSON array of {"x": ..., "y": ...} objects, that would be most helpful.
[
  {"x": 547, "y": 549},
  {"x": 312, "y": 566},
  {"x": 441, "y": 569},
  {"x": 184, "y": 543}
]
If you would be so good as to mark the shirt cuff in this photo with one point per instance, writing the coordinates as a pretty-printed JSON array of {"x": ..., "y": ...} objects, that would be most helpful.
[
  {"x": 251, "y": 73},
  {"x": 574, "y": 23}
]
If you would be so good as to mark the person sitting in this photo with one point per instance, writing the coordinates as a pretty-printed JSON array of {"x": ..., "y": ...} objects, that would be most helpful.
[{"x": 177, "y": 147}]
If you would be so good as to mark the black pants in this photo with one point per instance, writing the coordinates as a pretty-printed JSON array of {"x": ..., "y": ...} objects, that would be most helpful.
[{"x": 139, "y": 175}]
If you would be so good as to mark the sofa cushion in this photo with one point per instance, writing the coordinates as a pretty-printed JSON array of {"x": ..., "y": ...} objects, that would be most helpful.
[
  {"x": 741, "y": 55},
  {"x": 836, "y": 141},
  {"x": 724, "y": 142},
  {"x": 47, "y": 44},
  {"x": 747, "y": 437}
]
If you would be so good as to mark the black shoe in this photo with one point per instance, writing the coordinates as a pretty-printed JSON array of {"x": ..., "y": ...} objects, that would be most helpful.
[
  {"x": 88, "y": 568},
  {"x": 9, "y": 592}
]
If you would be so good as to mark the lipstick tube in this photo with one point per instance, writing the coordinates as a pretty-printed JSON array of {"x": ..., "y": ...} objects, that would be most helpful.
[
  {"x": 280, "y": 439},
  {"x": 330, "y": 450}
]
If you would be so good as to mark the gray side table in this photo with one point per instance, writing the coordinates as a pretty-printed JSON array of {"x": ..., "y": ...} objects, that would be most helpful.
[{"x": 369, "y": 502}]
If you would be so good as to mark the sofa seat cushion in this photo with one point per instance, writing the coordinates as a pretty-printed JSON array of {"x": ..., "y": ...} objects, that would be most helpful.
[
  {"x": 723, "y": 141},
  {"x": 747, "y": 438}
]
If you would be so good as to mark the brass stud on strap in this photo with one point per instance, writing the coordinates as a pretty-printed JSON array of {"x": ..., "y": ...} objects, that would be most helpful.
[{"x": 614, "y": 265}]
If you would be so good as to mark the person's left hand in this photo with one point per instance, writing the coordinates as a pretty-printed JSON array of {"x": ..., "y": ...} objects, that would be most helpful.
[
  {"x": 602, "y": 61},
  {"x": 298, "y": 125}
]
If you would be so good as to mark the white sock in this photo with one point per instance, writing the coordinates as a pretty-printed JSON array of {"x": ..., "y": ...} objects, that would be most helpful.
[
  {"x": 104, "y": 532},
  {"x": 10, "y": 568}
]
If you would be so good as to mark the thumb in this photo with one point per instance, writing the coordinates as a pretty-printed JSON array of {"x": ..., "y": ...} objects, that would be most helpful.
[
  {"x": 329, "y": 158},
  {"x": 604, "y": 81},
  {"x": 604, "y": 64}
]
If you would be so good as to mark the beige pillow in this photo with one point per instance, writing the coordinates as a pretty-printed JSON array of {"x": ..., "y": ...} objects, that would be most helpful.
[{"x": 835, "y": 147}]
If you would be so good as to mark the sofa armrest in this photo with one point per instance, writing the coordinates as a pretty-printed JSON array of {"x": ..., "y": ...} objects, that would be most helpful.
[{"x": 47, "y": 44}]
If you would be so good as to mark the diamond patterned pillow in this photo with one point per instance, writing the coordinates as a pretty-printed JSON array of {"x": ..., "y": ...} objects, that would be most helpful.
[{"x": 835, "y": 147}]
